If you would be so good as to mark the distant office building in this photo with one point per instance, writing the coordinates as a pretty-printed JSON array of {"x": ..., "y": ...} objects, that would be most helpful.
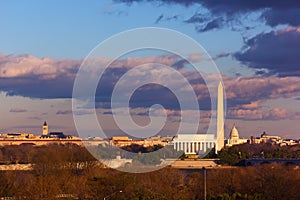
[{"x": 266, "y": 138}]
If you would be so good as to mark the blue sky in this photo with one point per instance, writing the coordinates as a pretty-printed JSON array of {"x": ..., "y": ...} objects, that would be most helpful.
[
  {"x": 71, "y": 29},
  {"x": 255, "y": 46}
]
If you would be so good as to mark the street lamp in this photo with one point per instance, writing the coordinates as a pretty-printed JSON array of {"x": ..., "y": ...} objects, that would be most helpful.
[
  {"x": 204, "y": 177},
  {"x": 107, "y": 197}
]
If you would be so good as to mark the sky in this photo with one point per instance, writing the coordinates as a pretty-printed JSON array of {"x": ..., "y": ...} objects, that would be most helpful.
[{"x": 254, "y": 44}]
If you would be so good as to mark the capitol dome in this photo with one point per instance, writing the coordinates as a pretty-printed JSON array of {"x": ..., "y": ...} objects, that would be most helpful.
[{"x": 234, "y": 133}]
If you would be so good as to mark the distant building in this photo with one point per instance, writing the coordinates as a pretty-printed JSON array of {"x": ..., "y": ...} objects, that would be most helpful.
[
  {"x": 55, "y": 135},
  {"x": 194, "y": 143},
  {"x": 270, "y": 138},
  {"x": 166, "y": 139},
  {"x": 18, "y": 136},
  {"x": 45, "y": 139},
  {"x": 45, "y": 129},
  {"x": 273, "y": 139},
  {"x": 95, "y": 141},
  {"x": 235, "y": 138},
  {"x": 121, "y": 141},
  {"x": 117, "y": 162},
  {"x": 266, "y": 138},
  {"x": 288, "y": 142}
]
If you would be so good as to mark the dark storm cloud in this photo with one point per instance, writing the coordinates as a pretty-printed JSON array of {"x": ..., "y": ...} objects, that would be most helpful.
[
  {"x": 231, "y": 6},
  {"x": 197, "y": 18},
  {"x": 34, "y": 88},
  {"x": 210, "y": 25},
  {"x": 276, "y": 17},
  {"x": 272, "y": 12},
  {"x": 276, "y": 52}
]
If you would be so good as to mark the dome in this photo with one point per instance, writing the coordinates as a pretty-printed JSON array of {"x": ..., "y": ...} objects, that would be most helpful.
[{"x": 234, "y": 133}]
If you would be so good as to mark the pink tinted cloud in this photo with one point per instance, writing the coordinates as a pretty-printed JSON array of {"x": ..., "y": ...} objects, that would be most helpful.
[
  {"x": 261, "y": 88},
  {"x": 44, "y": 68},
  {"x": 263, "y": 114},
  {"x": 245, "y": 95}
]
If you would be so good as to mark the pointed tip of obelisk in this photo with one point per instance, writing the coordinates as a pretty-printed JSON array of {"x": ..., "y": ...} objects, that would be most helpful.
[
  {"x": 220, "y": 86},
  {"x": 220, "y": 83}
]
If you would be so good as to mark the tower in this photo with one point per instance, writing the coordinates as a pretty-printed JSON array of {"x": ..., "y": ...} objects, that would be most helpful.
[
  {"x": 220, "y": 119},
  {"x": 45, "y": 128}
]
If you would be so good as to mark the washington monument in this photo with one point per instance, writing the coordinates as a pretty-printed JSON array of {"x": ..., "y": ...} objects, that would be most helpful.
[{"x": 220, "y": 119}]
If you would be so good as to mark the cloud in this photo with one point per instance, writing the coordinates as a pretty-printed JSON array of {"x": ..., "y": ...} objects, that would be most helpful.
[
  {"x": 160, "y": 17},
  {"x": 210, "y": 25},
  {"x": 47, "y": 78},
  {"x": 64, "y": 112},
  {"x": 26, "y": 66},
  {"x": 29, "y": 76},
  {"x": 110, "y": 9},
  {"x": 217, "y": 14},
  {"x": 276, "y": 51},
  {"x": 17, "y": 110},
  {"x": 197, "y": 18},
  {"x": 34, "y": 118},
  {"x": 107, "y": 113},
  {"x": 263, "y": 114},
  {"x": 76, "y": 112},
  {"x": 244, "y": 90},
  {"x": 244, "y": 94},
  {"x": 247, "y": 95},
  {"x": 221, "y": 55},
  {"x": 290, "y": 16},
  {"x": 84, "y": 112}
]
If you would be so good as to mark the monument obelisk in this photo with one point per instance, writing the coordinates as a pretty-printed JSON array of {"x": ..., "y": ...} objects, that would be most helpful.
[{"x": 220, "y": 119}]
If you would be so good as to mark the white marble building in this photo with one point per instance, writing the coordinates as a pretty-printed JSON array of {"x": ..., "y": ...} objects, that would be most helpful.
[
  {"x": 235, "y": 137},
  {"x": 194, "y": 143}
]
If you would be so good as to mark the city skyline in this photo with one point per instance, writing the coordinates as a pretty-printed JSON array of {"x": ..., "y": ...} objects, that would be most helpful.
[{"x": 256, "y": 51}]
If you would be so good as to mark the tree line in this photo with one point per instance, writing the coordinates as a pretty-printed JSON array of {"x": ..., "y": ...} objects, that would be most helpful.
[
  {"x": 70, "y": 172},
  {"x": 234, "y": 155}
]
